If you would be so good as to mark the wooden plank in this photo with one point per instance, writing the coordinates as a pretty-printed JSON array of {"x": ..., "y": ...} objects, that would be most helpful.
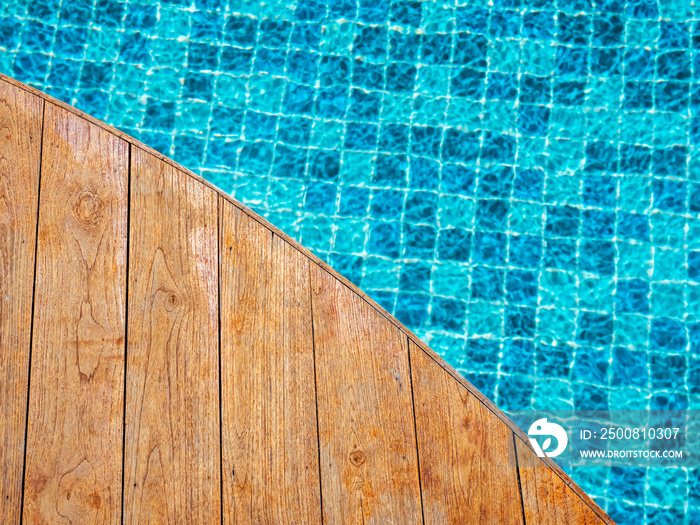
[
  {"x": 20, "y": 151},
  {"x": 369, "y": 470},
  {"x": 547, "y": 500},
  {"x": 74, "y": 449},
  {"x": 460, "y": 441},
  {"x": 172, "y": 459},
  {"x": 270, "y": 443}
]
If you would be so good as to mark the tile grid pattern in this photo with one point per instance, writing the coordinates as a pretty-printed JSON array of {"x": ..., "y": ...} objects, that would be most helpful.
[{"x": 540, "y": 230}]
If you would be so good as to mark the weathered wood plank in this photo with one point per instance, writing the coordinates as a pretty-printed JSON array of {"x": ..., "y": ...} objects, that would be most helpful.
[
  {"x": 172, "y": 459},
  {"x": 270, "y": 444},
  {"x": 20, "y": 151},
  {"x": 369, "y": 470},
  {"x": 74, "y": 449},
  {"x": 467, "y": 460},
  {"x": 547, "y": 500}
]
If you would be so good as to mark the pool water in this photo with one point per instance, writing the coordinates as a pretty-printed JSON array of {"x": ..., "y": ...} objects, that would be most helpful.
[{"x": 516, "y": 181}]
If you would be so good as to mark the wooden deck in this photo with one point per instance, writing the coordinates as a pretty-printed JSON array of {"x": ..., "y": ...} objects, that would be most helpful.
[{"x": 167, "y": 356}]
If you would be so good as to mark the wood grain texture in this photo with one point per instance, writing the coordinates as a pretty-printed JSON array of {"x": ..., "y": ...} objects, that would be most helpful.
[
  {"x": 460, "y": 441},
  {"x": 20, "y": 152},
  {"x": 270, "y": 443},
  {"x": 172, "y": 459},
  {"x": 369, "y": 471},
  {"x": 547, "y": 500},
  {"x": 74, "y": 449}
]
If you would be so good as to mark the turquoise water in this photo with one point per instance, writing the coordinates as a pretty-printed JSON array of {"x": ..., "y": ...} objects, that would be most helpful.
[{"x": 516, "y": 181}]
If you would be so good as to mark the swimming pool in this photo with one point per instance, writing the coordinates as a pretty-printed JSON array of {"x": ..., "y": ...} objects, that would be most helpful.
[{"x": 516, "y": 181}]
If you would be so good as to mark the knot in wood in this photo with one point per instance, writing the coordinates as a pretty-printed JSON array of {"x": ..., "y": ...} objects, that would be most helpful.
[
  {"x": 357, "y": 457},
  {"x": 87, "y": 207},
  {"x": 171, "y": 301}
]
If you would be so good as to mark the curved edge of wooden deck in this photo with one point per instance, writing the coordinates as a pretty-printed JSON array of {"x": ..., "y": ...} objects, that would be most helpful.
[{"x": 534, "y": 481}]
